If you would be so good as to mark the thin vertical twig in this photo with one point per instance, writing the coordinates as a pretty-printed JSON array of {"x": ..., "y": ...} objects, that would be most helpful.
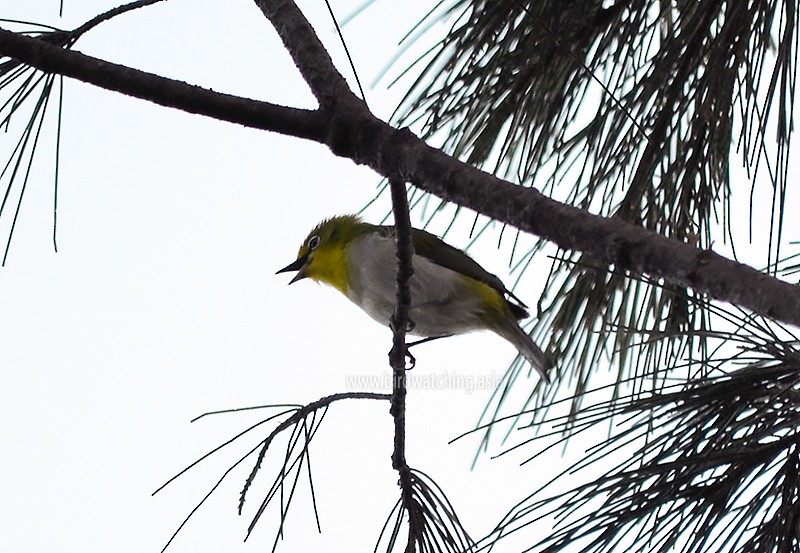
[{"x": 397, "y": 356}]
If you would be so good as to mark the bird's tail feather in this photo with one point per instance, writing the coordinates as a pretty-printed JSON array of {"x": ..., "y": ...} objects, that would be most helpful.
[{"x": 512, "y": 332}]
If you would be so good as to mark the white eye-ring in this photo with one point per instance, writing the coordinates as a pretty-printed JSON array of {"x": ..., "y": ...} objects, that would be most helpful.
[{"x": 313, "y": 242}]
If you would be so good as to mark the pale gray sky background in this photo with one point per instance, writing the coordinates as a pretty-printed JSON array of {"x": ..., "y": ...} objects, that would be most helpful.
[{"x": 162, "y": 304}]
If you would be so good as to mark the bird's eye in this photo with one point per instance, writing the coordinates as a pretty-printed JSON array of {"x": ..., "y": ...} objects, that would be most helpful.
[{"x": 313, "y": 242}]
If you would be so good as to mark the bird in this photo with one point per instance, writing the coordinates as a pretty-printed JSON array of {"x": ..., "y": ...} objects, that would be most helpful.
[{"x": 450, "y": 292}]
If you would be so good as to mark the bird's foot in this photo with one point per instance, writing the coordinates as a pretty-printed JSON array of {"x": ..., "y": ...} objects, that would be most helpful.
[{"x": 412, "y": 361}]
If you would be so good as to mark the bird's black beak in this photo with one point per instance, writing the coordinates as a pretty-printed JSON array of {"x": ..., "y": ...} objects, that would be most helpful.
[{"x": 298, "y": 266}]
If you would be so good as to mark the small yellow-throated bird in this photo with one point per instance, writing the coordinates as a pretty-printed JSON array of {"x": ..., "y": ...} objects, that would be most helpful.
[{"x": 450, "y": 292}]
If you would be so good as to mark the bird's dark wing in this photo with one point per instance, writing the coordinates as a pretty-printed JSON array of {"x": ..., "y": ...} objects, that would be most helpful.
[{"x": 436, "y": 250}]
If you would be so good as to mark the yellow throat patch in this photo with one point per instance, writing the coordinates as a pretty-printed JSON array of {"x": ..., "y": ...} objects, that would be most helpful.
[{"x": 329, "y": 265}]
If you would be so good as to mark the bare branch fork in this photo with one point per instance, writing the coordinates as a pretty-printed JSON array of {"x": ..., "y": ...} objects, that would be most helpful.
[
  {"x": 293, "y": 420},
  {"x": 346, "y": 126},
  {"x": 302, "y": 432}
]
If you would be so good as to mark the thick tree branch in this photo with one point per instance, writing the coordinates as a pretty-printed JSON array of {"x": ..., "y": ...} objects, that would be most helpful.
[
  {"x": 401, "y": 155},
  {"x": 161, "y": 90},
  {"x": 350, "y": 130},
  {"x": 309, "y": 55}
]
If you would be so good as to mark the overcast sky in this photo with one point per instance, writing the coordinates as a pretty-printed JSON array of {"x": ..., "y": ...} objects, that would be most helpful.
[{"x": 162, "y": 304}]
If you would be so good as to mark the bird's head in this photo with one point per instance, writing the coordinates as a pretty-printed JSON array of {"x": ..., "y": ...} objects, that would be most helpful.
[{"x": 323, "y": 255}]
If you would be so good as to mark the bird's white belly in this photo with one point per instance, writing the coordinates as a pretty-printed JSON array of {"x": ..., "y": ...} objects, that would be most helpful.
[{"x": 441, "y": 300}]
